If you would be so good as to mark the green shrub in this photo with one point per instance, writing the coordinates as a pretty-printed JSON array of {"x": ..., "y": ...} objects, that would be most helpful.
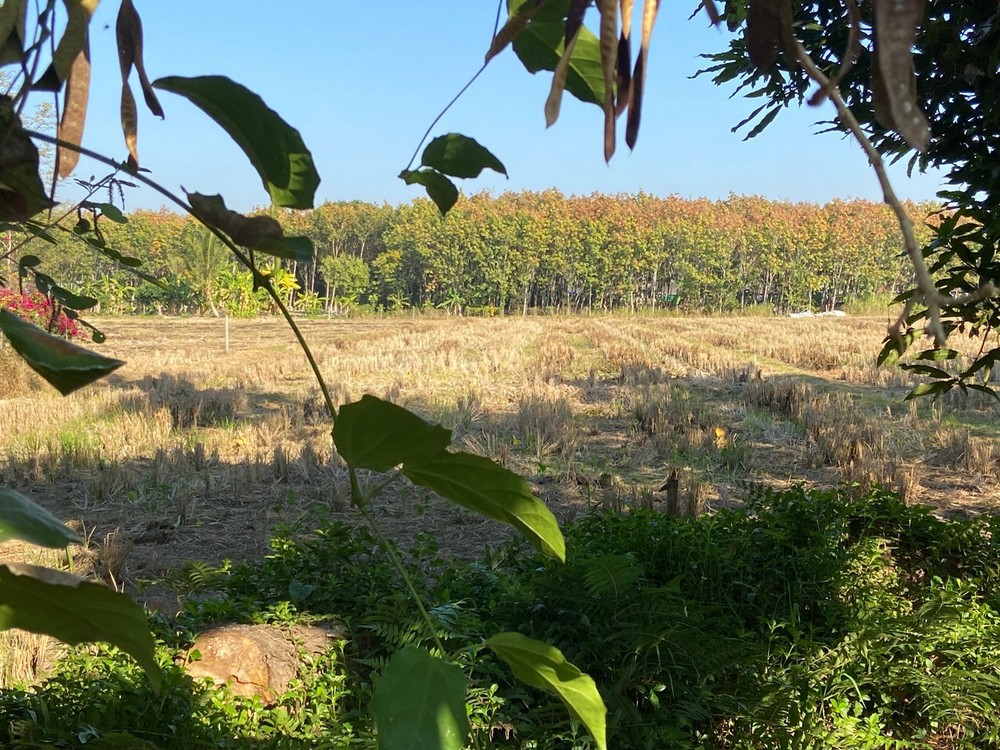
[{"x": 808, "y": 619}]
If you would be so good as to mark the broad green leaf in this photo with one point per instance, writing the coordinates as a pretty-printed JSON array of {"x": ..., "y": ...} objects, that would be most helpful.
[
  {"x": 65, "y": 366},
  {"x": 75, "y": 611},
  {"x": 21, "y": 518},
  {"x": 936, "y": 355},
  {"x": 375, "y": 434},
  {"x": 38, "y": 231},
  {"x": 539, "y": 46},
  {"x": 544, "y": 666},
  {"x": 440, "y": 189},
  {"x": 459, "y": 156},
  {"x": 71, "y": 300},
  {"x": 112, "y": 213},
  {"x": 929, "y": 389},
  {"x": 928, "y": 370},
  {"x": 273, "y": 146},
  {"x": 419, "y": 703},
  {"x": 261, "y": 233},
  {"x": 894, "y": 347},
  {"x": 483, "y": 486}
]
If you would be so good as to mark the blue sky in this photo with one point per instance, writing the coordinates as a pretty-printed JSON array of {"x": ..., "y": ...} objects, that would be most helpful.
[{"x": 363, "y": 80}]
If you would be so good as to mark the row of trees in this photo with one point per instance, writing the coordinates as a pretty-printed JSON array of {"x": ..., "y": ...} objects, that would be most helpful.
[{"x": 514, "y": 253}]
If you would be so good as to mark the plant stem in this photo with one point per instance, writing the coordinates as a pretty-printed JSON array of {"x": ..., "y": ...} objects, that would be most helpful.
[
  {"x": 390, "y": 549},
  {"x": 496, "y": 25}
]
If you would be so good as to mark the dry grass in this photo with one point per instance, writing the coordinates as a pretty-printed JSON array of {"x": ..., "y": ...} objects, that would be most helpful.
[{"x": 190, "y": 452}]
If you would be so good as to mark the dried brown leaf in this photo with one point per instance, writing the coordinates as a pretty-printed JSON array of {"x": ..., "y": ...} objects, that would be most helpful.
[
  {"x": 514, "y": 26},
  {"x": 624, "y": 62},
  {"x": 649, "y": 11},
  {"x": 609, "y": 60},
  {"x": 713, "y": 12},
  {"x": 74, "y": 35},
  {"x": 626, "y": 9},
  {"x": 130, "y": 125},
  {"x": 128, "y": 30},
  {"x": 554, "y": 100},
  {"x": 248, "y": 231},
  {"x": 574, "y": 18},
  {"x": 896, "y": 23},
  {"x": 880, "y": 98},
  {"x": 623, "y": 66},
  {"x": 786, "y": 32},
  {"x": 22, "y": 194},
  {"x": 853, "y": 49},
  {"x": 74, "y": 112},
  {"x": 763, "y": 31}
]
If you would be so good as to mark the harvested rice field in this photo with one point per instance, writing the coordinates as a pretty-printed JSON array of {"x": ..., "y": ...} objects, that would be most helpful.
[{"x": 193, "y": 451}]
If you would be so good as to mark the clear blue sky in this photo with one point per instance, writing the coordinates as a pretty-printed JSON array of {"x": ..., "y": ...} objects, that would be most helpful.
[{"x": 363, "y": 80}]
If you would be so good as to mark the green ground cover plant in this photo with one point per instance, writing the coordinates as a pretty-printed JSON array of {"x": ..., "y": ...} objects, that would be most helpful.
[{"x": 807, "y": 619}]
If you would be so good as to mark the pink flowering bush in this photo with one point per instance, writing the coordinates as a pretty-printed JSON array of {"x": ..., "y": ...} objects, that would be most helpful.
[{"x": 37, "y": 308}]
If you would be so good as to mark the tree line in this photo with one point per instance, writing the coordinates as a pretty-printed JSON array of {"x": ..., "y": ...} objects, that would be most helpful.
[{"x": 514, "y": 253}]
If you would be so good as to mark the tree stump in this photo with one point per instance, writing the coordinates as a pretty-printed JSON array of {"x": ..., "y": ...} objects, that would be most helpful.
[{"x": 257, "y": 659}]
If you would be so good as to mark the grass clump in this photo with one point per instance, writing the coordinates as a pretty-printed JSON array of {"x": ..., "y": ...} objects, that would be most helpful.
[{"x": 807, "y": 619}]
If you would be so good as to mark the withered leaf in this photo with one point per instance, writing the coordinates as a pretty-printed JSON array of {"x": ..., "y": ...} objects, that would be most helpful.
[
  {"x": 713, "y": 12},
  {"x": 574, "y": 18},
  {"x": 514, "y": 26},
  {"x": 74, "y": 112},
  {"x": 763, "y": 31},
  {"x": 22, "y": 194},
  {"x": 73, "y": 38},
  {"x": 649, "y": 11},
  {"x": 626, "y": 8},
  {"x": 609, "y": 60},
  {"x": 554, "y": 100},
  {"x": 624, "y": 61},
  {"x": 262, "y": 233},
  {"x": 130, "y": 127},
  {"x": 247, "y": 231},
  {"x": 128, "y": 30},
  {"x": 896, "y": 23},
  {"x": 880, "y": 99},
  {"x": 853, "y": 49}
]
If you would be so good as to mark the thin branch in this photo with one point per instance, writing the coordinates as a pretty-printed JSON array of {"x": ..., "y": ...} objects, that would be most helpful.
[
  {"x": 259, "y": 278},
  {"x": 442, "y": 113},
  {"x": 928, "y": 293},
  {"x": 851, "y": 50},
  {"x": 496, "y": 25}
]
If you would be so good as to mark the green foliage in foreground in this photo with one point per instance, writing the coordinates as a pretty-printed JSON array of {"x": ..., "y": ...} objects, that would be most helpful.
[{"x": 806, "y": 620}]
